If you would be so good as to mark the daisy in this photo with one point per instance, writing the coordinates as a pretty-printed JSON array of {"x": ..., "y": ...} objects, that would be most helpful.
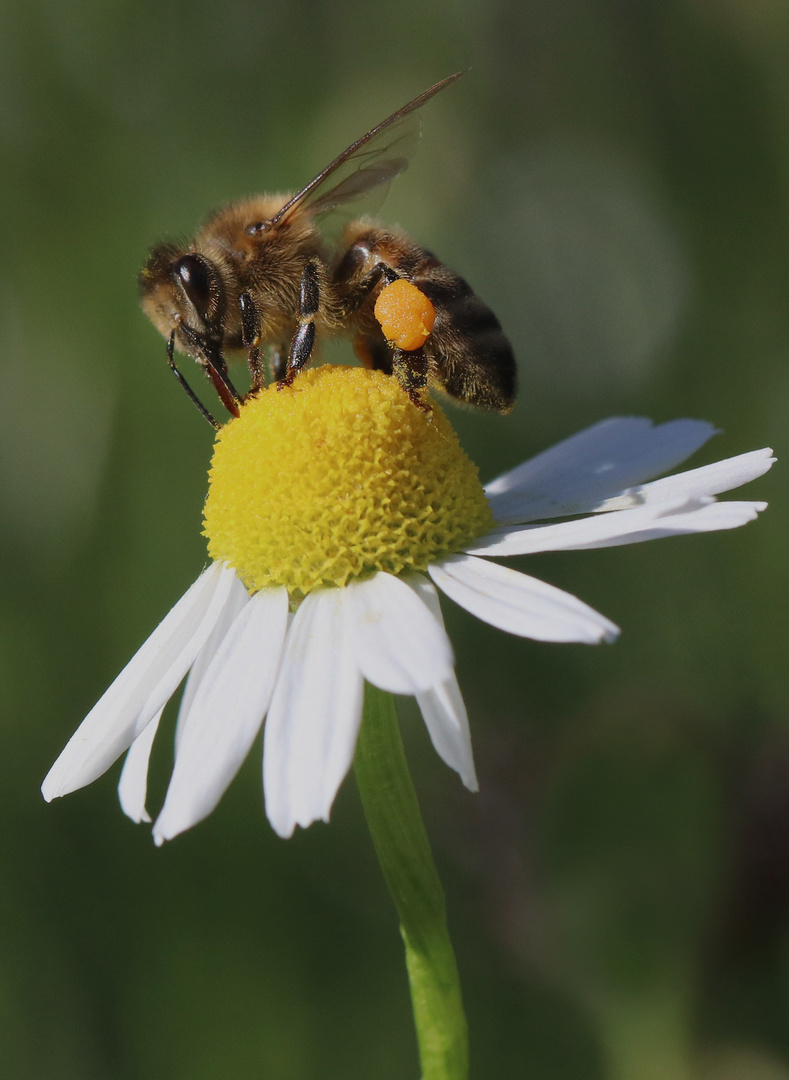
[{"x": 334, "y": 510}]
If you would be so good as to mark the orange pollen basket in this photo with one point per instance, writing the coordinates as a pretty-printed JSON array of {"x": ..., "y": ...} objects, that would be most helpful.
[{"x": 405, "y": 314}]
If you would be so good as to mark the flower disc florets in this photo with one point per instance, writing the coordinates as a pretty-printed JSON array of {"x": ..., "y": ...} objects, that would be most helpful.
[{"x": 336, "y": 477}]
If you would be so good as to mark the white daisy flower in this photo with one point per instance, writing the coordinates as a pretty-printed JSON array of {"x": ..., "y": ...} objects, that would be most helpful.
[{"x": 334, "y": 509}]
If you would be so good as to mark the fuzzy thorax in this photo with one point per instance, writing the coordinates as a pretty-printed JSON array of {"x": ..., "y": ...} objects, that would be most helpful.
[{"x": 336, "y": 477}]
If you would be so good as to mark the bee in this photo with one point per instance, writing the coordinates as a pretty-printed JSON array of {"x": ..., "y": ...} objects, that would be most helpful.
[{"x": 260, "y": 276}]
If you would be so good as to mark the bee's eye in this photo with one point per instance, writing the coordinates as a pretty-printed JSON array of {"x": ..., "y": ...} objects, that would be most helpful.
[{"x": 193, "y": 274}]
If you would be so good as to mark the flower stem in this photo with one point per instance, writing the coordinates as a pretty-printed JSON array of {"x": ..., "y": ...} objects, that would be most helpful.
[{"x": 403, "y": 850}]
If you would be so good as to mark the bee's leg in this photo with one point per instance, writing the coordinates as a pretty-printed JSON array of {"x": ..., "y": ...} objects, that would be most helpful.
[
  {"x": 216, "y": 369},
  {"x": 304, "y": 339},
  {"x": 373, "y": 351},
  {"x": 410, "y": 370},
  {"x": 278, "y": 361},
  {"x": 250, "y": 335},
  {"x": 190, "y": 392},
  {"x": 361, "y": 290}
]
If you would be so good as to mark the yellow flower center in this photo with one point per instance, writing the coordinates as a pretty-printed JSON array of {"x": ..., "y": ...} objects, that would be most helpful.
[{"x": 336, "y": 477}]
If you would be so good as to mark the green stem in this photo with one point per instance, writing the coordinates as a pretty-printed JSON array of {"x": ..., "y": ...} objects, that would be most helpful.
[{"x": 403, "y": 850}]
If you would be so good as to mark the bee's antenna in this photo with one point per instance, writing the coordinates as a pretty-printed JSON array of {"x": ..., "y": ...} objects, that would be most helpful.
[{"x": 190, "y": 392}]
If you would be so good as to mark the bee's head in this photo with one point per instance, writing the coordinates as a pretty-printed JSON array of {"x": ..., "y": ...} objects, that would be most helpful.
[{"x": 183, "y": 291}]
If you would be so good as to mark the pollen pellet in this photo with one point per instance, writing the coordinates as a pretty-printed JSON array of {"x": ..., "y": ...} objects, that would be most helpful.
[
  {"x": 405, "y": 314},
  {"x": 336, "y": 477}
]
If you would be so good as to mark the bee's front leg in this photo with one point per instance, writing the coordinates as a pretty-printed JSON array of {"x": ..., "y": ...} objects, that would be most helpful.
[
  {"x": 303, "y": 340},
  {"x": 210, "y": 358},
  {"x": 185, "y": 385}
]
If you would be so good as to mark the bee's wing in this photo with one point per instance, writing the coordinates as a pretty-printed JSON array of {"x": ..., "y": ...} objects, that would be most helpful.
[{"x": 371, "y": 162}]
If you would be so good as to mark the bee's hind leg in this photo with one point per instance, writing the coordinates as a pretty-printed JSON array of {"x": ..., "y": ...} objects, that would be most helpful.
[
  {"x": 303, "y": 341},
  {"x": 410, "y": 370},
  {"x": 381, "y": 271}
]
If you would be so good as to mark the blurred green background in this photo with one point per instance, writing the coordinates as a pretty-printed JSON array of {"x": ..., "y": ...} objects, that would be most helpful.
[{"x": 613, "y": 177}]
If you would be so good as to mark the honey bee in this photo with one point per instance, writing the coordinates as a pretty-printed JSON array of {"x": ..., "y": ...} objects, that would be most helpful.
[{"x": 259, "y": 275}]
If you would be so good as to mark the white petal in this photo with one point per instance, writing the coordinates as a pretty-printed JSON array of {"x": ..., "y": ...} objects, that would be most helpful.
[
  {"x": 446, "y": 720},
  {"x": 576, "y": 475},
  {"x": 442, "y": 707},
  {"x": 143, "y": 687},
  {"x": 226, "y": 713},
  {"x": 235, "y": 602},
  {"x": 133, "y": 785},
  {"x": 650, "y": 522},
  {"x": 710, "y": 517},
  {"x": 519, "y": 604},
  {"x": 696, "y": 483},
  {"x": 132, "y": 788},
  {"x": 311, "y": 730},
  {"x": 398, "y": 643}
]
